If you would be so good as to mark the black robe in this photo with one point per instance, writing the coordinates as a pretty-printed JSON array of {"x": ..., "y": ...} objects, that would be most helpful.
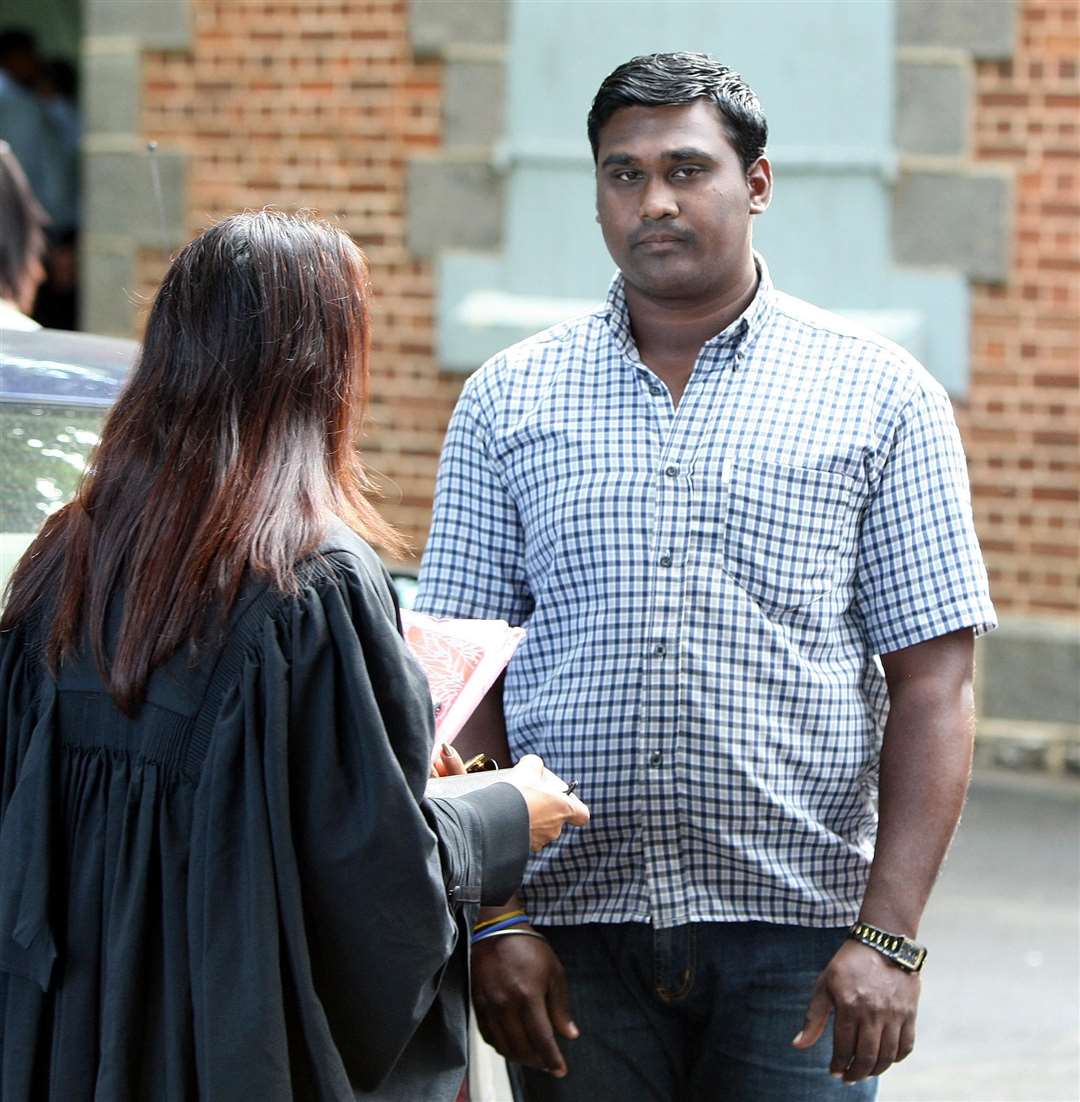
[{"x": 242, "y": 893}]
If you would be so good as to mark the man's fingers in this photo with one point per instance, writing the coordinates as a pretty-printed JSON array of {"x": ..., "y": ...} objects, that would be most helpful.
[
  {"x": 506, "y": 1034},
  {"x": 845, "y": 1034},
  {"x": 889, "y": 1046},
  {"x": 521, "y": 1031},
  {"x": 491, "y": 1029},
  {"x": 906, "y": 1043},
  {"x": 558, "y": 1004},
  {"x": 817, "y": 1016},
  {"x": 541, "y": 1040},
  {"x": 867, "y": 1047}
]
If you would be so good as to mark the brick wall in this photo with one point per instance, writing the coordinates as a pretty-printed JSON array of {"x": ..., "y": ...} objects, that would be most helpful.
[
  {"x": 318, "y": 105},
  {"x": 311, "y": 104},
  {"x": 1021, "y": 421}
]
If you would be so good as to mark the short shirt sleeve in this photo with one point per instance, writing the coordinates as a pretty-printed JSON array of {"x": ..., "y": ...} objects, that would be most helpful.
[
  {"x": 920, "y": 571},
  {"x": 474, "y": 563}
]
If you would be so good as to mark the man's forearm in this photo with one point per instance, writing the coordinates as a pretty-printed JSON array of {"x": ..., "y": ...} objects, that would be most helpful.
[
  {"x": 485, "y": 730},
  {"x": 485, "y": 733},
  {"x": 925, "y": 769}
]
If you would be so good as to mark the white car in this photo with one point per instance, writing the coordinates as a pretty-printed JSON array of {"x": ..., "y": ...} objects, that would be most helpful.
[{"x": 55, "y": 390}]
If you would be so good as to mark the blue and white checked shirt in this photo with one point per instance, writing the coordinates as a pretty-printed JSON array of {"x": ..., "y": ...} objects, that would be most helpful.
[{"x": 704, "y": 589}]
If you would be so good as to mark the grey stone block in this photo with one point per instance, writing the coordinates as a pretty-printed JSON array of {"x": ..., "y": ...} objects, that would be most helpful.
[
  {"x": 107, "y": 283},
  {"x": 1030, "y": 671},
  {"x": 933, "y": 107},
  {"x": 124, "y": 199},
  {"x": 435, "y": 25},
  {"x": 954, "y": 219},
  {"x": 158, "y": 24},
  {"x": 987, "y": 28},
  {"x": 473, "y": 103},
  {"x": 453, "y": 205},
  {"x": 111, "y": 90}
]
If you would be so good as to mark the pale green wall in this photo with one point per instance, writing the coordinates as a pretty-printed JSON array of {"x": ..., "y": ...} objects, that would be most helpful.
[{"x": 824, "y": 70}]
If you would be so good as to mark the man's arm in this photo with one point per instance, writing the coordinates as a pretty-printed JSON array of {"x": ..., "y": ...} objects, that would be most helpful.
[
  {"x": 484, "y": 731},
  {"x": 518, "y": 985},
  {"x": 925, "y": 769}
]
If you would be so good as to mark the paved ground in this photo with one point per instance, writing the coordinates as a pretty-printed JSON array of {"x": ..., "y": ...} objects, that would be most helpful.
[{"x": 1000, "y": 1018}]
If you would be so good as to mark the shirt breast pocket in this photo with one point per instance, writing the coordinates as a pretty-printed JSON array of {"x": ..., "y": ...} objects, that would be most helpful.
[{"x": 790, "y": 533}]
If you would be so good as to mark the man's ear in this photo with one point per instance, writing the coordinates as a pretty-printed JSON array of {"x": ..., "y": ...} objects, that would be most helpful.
[{"x": 759, "y": 185}]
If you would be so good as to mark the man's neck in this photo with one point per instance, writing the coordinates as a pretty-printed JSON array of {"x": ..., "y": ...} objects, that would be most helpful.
[{"x": 670, "y": 332}]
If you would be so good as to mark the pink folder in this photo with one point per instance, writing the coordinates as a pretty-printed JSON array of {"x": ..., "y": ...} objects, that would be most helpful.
[{"x": 462, "y": 660}]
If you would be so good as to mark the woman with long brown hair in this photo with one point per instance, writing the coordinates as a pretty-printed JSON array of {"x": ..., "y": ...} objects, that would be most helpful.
[{"x": 220, "y": 876}]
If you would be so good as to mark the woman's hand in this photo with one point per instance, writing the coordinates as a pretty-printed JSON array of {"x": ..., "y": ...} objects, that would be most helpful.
[
  {"x": 550, "y": 807},
  {"x": 448, "y": 763}
]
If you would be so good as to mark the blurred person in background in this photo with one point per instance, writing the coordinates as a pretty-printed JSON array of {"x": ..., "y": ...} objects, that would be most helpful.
[
  {"x": 58, "y": 86},
  {"x": 714, "y": 506},
  {"x": 220, "y": 875},
  {"x": 56, "y": 305},
  {"x": 23, "y": 122},
  {"x": 39, "y": 120},
  {"x": 22, "y": 244}
]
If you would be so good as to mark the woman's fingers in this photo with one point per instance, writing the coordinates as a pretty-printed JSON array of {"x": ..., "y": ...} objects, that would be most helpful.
[{"x": 449, "y": 763}]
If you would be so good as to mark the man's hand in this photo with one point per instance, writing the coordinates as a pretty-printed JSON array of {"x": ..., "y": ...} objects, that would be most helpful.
[
  {"x": 521, "y": 1000},
  {"x": 875, "y": 1004}
]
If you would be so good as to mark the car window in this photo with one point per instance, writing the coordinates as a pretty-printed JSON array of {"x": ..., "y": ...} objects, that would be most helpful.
[
  {"x": 406, "y": 586},
  {"x": 43, "y": 450}
]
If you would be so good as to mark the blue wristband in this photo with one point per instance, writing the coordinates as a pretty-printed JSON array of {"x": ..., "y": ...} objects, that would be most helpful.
[{"x": 517, "y": 920}]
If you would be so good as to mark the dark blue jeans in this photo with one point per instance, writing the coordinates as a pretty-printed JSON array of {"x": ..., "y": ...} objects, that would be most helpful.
[{"x": 697, "y": 1013}]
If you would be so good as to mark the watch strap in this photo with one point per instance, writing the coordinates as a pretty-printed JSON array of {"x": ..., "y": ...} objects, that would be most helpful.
[{"x": 902, "y": 951}]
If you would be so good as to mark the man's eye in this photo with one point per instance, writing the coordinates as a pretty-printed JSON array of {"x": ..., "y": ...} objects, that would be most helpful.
[
  {"x": 686, "y": 170},
  {"x": 627, "y": 175}
]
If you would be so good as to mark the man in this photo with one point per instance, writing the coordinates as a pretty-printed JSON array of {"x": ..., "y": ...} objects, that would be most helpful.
[{"x": 712, "y": 505}]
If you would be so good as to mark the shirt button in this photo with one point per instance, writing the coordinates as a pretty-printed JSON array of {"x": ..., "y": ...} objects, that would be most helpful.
[
  {"x": 671, "y": 471},
  {"x": 655, "y": 758},
  {"x": 655, "y": 390},
  {"x": 659, "y": 650},
  {"x": 665, "y": 560}
]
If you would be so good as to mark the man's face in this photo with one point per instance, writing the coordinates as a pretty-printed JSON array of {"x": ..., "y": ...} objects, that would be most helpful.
[{"x": 674, "y": 202}]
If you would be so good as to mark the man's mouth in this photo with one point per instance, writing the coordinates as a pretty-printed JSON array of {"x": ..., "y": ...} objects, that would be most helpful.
[{"x": 658, "y": 239}]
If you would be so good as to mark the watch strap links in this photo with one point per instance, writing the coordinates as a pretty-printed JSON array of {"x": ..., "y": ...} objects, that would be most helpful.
[{"x": 902, "y": 951}]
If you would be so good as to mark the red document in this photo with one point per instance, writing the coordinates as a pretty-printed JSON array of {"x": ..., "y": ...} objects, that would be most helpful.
[{"x": 462, "y": 660}]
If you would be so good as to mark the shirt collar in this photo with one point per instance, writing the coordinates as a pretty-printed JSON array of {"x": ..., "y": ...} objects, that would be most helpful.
[{"x": 745, "y": 326}]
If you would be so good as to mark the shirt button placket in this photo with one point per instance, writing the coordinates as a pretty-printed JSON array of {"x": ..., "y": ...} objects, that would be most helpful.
[{"x": 657, "y": 733}]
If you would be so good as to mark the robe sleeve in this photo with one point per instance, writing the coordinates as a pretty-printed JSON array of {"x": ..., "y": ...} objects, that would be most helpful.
[{"x": 326, "y": 891}]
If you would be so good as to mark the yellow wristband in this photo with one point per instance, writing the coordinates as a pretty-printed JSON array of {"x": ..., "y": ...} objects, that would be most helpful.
[{"x": 498, "y": 918}]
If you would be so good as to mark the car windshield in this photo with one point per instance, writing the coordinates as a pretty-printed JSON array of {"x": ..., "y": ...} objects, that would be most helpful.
[{"x": 43, "y": 450}]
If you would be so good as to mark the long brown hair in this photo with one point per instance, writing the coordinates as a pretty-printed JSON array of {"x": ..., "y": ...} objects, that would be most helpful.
[{"x": 227, "y": 452}]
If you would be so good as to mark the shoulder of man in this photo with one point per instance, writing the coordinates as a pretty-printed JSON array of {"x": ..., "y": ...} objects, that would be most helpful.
[
  {"x": 538, "y": 354},
  {"x": 859, "y": 344}
]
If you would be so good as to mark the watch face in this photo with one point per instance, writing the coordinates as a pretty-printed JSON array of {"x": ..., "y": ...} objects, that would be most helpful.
[{"x": 910, "y": 955}]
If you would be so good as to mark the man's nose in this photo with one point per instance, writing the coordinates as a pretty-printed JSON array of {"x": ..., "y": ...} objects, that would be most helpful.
[{"x": 658, "y": 201}]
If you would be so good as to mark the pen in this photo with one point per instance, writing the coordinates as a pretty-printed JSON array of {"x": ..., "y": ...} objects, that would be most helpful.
[{"x": 570, "y": 788}]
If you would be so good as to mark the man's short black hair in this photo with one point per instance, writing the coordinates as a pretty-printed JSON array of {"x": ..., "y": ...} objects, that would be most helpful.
[{"x": 661, "y": 80}]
